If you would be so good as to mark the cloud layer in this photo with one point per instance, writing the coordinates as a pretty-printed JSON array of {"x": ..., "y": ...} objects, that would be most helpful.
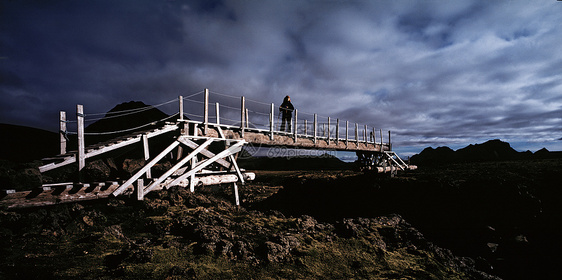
[{"x": 434, "y": 72}]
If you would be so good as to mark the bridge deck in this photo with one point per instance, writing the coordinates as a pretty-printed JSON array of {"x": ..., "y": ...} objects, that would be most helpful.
[{"x": 260, "y": 137}]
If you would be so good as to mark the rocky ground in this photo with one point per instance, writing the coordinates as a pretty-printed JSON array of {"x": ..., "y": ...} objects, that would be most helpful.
[
  {"x": 180, "y": 235},
  {"x": 501, "y": 217}
]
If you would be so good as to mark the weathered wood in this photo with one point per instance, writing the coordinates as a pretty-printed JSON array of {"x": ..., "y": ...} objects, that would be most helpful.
[
  {"x": 146, "y": 152},
  {"x": 81, "y": 146},
  {"x": 206, "y": 113},
  {"x": 315, "y": 126},
  {"x": 236, "y": 198},
  {"x": 180, "y": 100},
  {"x": 71, "y": 158},
  {"x": 242, "y": 112},
  {"x": 296, "y": 125},
  {"x": 140, "y": 189},
  {"x": 178, "y": 165},
  {"x": 217, "y": 114},
  {"x": 328, "y": 130},
  {"x": 271, "y": 120},
  {"x": 62, "y": 132},
  {"x": 143, "y": 170}
]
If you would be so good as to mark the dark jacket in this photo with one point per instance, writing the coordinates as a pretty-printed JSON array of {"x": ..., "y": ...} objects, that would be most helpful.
[{"x": 286, "y": 109}]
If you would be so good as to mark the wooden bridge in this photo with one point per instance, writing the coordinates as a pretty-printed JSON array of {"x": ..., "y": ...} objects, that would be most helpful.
[{"x": 190, "y": 136}]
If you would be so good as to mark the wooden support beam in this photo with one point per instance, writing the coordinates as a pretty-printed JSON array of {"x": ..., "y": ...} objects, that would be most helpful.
[
  {"x": 143, "y": 170},
  {"x": 231, "y": 150},
  {"x": 140, "y": 189},
  {"x": 346, "y": 133},
  {"x": 178, "y": 166},
  {"x": 81, "y": 145},
  {"x": 242, "y": 114},
  {"x": 205, "y": 152},
  {"x": 328, "y": 130},
  {"x": 315, "y": 125},
  {"x": 236, "y": 198},
  {"x": 271, "y": 120},
  {"x": 180, "y": 99},
  {"x": 365, "y": 135},
  {"x": 206, "y": 115},
  {"x": 337, "y": 131},
  {"x": 62, "y": 132},
  {"x": 356, "y": 135},
  {"x": 296, "y": 125},
  {"x": 306, "y": 127},
  {"x": 146, "y": 153},
  {"x": 217, "y": 113}
]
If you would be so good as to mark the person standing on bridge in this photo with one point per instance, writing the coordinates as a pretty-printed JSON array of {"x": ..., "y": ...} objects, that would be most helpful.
[{"x": 286, "y": 110}]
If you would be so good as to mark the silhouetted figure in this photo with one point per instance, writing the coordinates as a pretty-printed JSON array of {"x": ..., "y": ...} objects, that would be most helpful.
[{"x": 286, "y": 109}]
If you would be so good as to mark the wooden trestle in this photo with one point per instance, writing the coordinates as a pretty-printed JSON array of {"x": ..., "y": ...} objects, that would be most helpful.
[{"x": 199, "y": 166}]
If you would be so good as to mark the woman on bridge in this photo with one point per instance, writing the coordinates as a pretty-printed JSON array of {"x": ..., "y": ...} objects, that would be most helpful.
[{"x": 286, "y": 109}]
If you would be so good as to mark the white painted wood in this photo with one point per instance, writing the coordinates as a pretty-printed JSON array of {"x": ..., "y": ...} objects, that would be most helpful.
[
  {"x": 178, "y": 166},
  {"x": 206, "y": 113},
  {"x": 81, "y": 145},
  {"x": 140, "y": 189},
  {"x": 231, "y": 150},
  {"x": 236, "y": 197},
  {"x": 146, "y": 154},
  {"x": 180, "y": 99},
  {"x": 143, "y": 170},
  {"x": 62, "y": 131}
]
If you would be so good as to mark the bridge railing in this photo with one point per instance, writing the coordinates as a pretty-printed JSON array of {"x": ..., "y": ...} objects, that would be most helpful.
[
  {"x": 252, "y": 115},
  {"x": 207, "y": 107}
]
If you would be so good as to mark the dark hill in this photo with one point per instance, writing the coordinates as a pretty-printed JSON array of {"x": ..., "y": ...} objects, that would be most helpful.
[
  {"x": 122, "y": 120},
  {"x": 492, "y": 150},
  {"x": 23, "y": 144}
]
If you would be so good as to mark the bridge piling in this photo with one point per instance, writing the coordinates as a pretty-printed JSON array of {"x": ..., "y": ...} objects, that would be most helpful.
[
  {"x": 62, "y": 131},
  {"x": 81, "y": 144},
  {"x": 206, "y": 112}
]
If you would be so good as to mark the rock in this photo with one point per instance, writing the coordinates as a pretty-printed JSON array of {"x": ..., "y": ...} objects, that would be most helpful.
[
  {"x": 131, "y": 166},
  {"x": 96, "y": 170}
]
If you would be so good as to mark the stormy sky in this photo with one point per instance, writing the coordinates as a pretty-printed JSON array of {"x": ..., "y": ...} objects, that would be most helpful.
[{"x": 435, "y": 73}]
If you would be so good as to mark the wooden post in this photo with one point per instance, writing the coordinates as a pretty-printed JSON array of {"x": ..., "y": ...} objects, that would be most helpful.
[
  {"x": 365, "y": 135},
  {"x": 180, "y": 99},
  {"x": 389, "y": 143},
  {"x": 356, "y": 135},
  {"x": 81, "y": 146},
  {"x": 62, "y": 131},
  {"x": 381, "y": 140},
  {"x": 271, "y": 120},
  {"x": 315, "y": 126},
  {"x": 306, "y": 127},
  {"x": 295, "y": 125},
  {"x": 337, "y": 131},
  {"x": 242, "y": 113},
  {"x": 140, "y": 189},
  {"x": 236, "y": 197},
  {"x": 346, "y": 133},
  {"x": 206, "y": 115},
  {"x": 146, "y": 153},
  {"x": 247, "y": 119},
  {"x": 217, "y": 114},
  {"x": 192, "y": 177},
  {"x": 328, "y": 130},
  {"x": 374, "y": 136}
]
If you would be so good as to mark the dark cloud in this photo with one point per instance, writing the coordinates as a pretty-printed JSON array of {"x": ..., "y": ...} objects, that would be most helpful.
[{"x": 433, "y": 72}]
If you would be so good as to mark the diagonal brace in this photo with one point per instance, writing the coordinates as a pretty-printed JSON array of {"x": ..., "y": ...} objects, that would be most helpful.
[{"x": 177, "y": 166}]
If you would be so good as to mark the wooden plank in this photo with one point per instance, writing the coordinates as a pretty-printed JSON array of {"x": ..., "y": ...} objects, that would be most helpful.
[
  {"x": 231, "y": 150},
  {"x": 177, "y": 166},
  {"x": 143, "y": 170}
]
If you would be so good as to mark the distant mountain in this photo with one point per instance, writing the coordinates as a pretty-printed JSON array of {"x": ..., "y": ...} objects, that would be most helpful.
[
  {"x": 121, "y": 120},
  {"x": 23, "y": 144},
  {"x": 492, "y": 150}
]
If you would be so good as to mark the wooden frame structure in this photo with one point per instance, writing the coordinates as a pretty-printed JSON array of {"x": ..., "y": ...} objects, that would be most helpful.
[{"x": 197, "y": 166}]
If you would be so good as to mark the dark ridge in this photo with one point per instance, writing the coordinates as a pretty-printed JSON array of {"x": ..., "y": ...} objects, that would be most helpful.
[
  {"x": 24, "y": 144},
  {"x": 492, "y": 150}
]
